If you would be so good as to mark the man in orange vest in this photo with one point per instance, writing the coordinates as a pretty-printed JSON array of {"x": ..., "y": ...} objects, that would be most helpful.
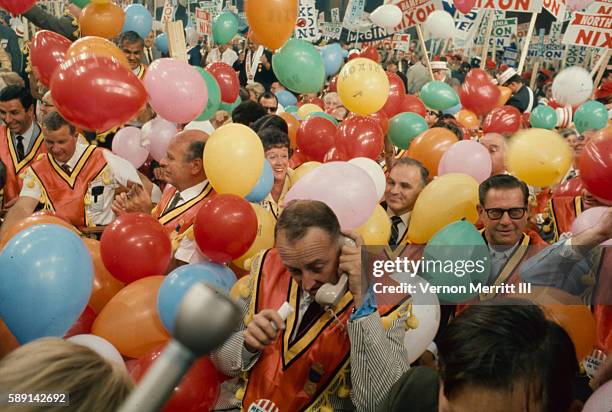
[{"x": 334, "y": 352}]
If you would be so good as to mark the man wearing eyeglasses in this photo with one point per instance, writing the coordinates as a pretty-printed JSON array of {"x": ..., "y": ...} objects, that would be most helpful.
[{"x": 269, "y": 102}]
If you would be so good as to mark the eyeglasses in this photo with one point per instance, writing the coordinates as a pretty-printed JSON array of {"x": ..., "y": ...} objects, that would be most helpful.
[
  {"x": 514, "y": 213},
  {"x": 271, "y": 109}
]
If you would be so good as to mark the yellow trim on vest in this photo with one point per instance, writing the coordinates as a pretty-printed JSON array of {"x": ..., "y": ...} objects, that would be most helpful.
[
  {"x": 578, "y": 205},
  {"x": 177, "y": 211},
  {"x": 71, "y": 180},
  {"x": 332, "y": 388},
  {"x": 20, "y": 165}
]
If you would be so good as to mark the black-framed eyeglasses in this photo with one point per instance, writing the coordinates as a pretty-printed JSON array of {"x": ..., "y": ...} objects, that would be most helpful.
[
  {"x": 514, "y": 213},
  {"x": 272, "y": 109}
]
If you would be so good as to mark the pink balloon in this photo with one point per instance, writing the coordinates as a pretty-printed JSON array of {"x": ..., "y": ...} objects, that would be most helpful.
[
  {"x": 468, "y": 157},
  {"x": 177, "y": 91},
  {"x": 158, "y": 133},
  {"x": 127, "y": 144},
  {"x": 588, "y": 219},
  {"x": 600, "y": 400},
  {"x": 353, "y": 205}
]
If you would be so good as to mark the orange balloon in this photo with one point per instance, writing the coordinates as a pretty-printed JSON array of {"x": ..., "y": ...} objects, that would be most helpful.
[
  {"x": 603, "y": 134},
  {"x": 293, "y": 125},
  {"x": 102, "y": 20},
  {"x": 105, "y": 286},
  {"x": 272, "y": 21},
  {"x": 429, "y": 147},
  {"x": 8, "y": 342},
  {"x": 32, "y": 221},
  {"x": 97, "y": 46},
  {"x": 130, "y": 321},
  {"x": 468, "y": 119},
  {"x": 504, "y": 96}
]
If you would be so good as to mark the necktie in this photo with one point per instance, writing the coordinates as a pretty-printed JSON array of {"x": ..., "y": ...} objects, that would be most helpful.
[
  {"x": 149, "y": 55},
  {"x": 66, "y": 168},
  {"x": 20, "y": 148},
  {"x": 395, "y": 220},
  {"x": 313, "y": 312},
  {"x": 173, "y": 202}
]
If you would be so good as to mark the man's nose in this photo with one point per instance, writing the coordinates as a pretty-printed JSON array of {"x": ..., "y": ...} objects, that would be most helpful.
[
  {"x": 308, "y": 283},
  {"x": 505, "y": 219}
]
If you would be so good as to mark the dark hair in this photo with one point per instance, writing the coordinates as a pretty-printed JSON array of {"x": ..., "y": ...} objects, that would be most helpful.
[
  {"x": 270, "y": 121},
  {"x": 267, "y": 95},
  {"x": 54, "y": 121},
  {"x": 244, "y": 94},
  {"x": 195, "y": 150},
  {"x": 272, "y": 138},
  {"x": 248, "y": 112},
  {"x": 498, "y": 347},
  {"x": 14, "y": 92},
  {"x": 130, "y": 37},
  {"x": 2, "y": 174},
  {"x": 301, "y": 215},
  {"x": 565, "y": 133},
  {"x": 447, "y": 121},
  {"x": 408, "y": 161},
  {"x": 502, "y": 182},
  {"x": 514, "y": 79}
]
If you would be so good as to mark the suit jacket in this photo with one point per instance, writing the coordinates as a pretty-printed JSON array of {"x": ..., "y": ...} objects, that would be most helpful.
[
  {"x": 66, "y": 25},
  {"x": 263, "y": 76},
  {"x": 154, "y": 51}
]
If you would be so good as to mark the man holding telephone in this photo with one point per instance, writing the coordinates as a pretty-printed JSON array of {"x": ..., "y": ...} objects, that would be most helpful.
[{"x": 333, "y": 350}]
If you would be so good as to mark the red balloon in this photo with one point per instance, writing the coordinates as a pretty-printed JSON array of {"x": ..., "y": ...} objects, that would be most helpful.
[
  {"x": 135, "y": 246},
  {"x": 333, "y": 84},
  {"x": 413, "y": 104},
  {"x": 595, "y": 165},
  {"x": 397, "y": 91},
  {"x": 97, "y": 92},
  {"x": 83, "y": 324},
  {"x": 17, "y": 6},
  {"x": 297, "y": 158},
  {"x": 464, "y": 6},
  {"x": 382, "y": 119},
  {"x": 227, "y": 80},
  {"x": 315, "y": 137},
  {"x": 335, "y": 155},
  {"x": 478, "y": 98},
  {"x": 573, "y": 187},
  {"x": 478, "y": 76},
  {"x": 352, "y": 56},
  {"x": 47, "y": 53},
  {"x": 225, "y": 227},
  {"x": 197, "y": 392},
  {"x": 504, "y": 120},
  {"x": 371, "y": 53},
  {"x": 311, "y": 100},
  {"x": 360, "y": 136}
]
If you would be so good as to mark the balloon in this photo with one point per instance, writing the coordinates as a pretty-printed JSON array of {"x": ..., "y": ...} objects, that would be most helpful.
[
  {"x": 588, "y": 219},
  {"x": 468, "y": 157},
  {"x": 225, "y": 227},
  {"x": 137, "y": 19},
  {"x": 333, "y": 86},
  {"x": 429, "y": 147},
  {"x": 595, "y": 165},
  {"x": 105, "y": 286},
  {"x": 382, "y": 119},
  {"x": 127, "y": 144},
  {"x": 370, "y": 53},
  {"x": 363, "y": 86},
  {"x": 129, "y": 242},
  {"x": 33, "y": 221},
  {"x": 83, "y": 324},
  {"x": 224, "y": 27},
  {"x": 323, "y": 115},
  {"x": 229, "y": 107},
  {"x": 47, "y": 276},
  {"x": 272, "y": 21},
  {"x": 101, "y": 346},
  {"x": 478, "y": 94},
  {"x": 8, "y": 343},
  {"x": 333, "y": 58},
  {"x": 464, "y": 6},
  {"x": 299, "y": 67},
  {"x": 572, "y": 86},
  {"x": 176, "y": 285},
  {"x": 440, "y": 25},
  {"x": 47, "y": 53},
  {"x": 307, "y": 109},
  {"x": 467, "y": 119},
  {"x": 591, "y": 115},
  {"x": 600, "y": 400},
  {"x": 543, "y": 117},
  {"x": 157, "y": 133},
  {"x": 303, "y": 169},
  {"x": 80, "y": 3},
  {"x": 439, "y": 95},
  {"x": 16, "y": 7},
  {"x": 315, "y": 137},
  {"x": 264, "y": 238},
  {"x": 377, "y": 229},
  {"x": 286, "y": 98},
  {"x": 129, "y": 321},
  {"x": 395, "y": 98},
  {"x": 226, "y": 79},
  {"x": 373, "y": 170},
  {"x": 214, "y": 96},
  {"x": 539, "y": 157},
  {"x": 387, "y": 16},
  {"x": 292, "y": 125},
  {"x": 233, "y": 159},
  {"x": 504, "y": 95},
  {"x": 360, "y": 136},
  {"x": 446, "y": 199},
  {"x": 97, "y": 46},
  {"x": 102, "y": 20},
  {"x": 161, "y": 42},
  {"x": 118, "y": 93},
  {"x": 335, "y": 154},
  {"x": 412, "y": 104},
  {"x": 291, "y": 109},
  {"x": 404, "y": 127},
  {"x": 505, "y": 120},
  {"x": 264, "y": 185},
  {"x": 353, "y": 205},
  {"x": 571, "y": 187}
]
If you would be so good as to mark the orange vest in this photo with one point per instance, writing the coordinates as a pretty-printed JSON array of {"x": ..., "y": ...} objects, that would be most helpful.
[
  {"x": 8, "y": 156},
  {"x": 67, "y": 194},
  {"x": 562, "y": 211}
]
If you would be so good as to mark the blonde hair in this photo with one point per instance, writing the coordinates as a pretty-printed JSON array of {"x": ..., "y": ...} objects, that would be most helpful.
[
  {"x": 55, "y": 365},
  {"x": 10, "y": 79},
  {"x": 256, "y": 88}
]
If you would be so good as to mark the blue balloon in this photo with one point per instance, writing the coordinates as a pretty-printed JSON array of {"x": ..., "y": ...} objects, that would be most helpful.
[
  {"x": 46, "y": 278},
  {"x": 453, "y": 110},
  {"x": 180, "y": 280},
  {"x": 333, "y": 58},
  {"x": 137, "y": 19},
  {"x": 263, "y": 186},
  {"x": 161, "y": 42},
  {"x": 286, "y": 98}
]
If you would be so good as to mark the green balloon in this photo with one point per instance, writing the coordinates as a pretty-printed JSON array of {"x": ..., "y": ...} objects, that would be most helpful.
[
  {"x": 299, "y": 67},
  {"x": 323, "y": 115},
  {"x": 229, "y": 107},
  {"x": 214, "y": 96},
  {"x": 439, "y": 95},
  {"x": 591, "y": 115},
  {"x": 404, "y": 127},
  {"x": 291, "y": 109},
  {"x": 454, "y": 246},
  {"x": 80, "y": 3},
  {"x": 543, "y": 117},
  {"x": 224, "y": 27}
]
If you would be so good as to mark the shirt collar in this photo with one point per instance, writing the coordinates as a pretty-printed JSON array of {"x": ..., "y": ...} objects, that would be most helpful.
[
  {"x": 78, "y": 152},
  {"x": 504, "y": 253},
  {"x": 193, "y": 191},
  {"x": 27, "y": 135},
  {"x": 405, "y": 217}
]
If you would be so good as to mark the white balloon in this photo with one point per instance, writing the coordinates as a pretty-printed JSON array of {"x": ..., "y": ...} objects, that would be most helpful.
[
  {"x": 387, "y": 16},
  {"x": 573, "y": 86},
  {"x": 440, "y": 25},
  {"x": 373, "y": 170},
  {"x": 101, "y": 346}
]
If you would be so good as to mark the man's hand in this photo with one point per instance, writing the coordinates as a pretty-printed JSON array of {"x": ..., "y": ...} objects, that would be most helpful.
[
  {"x": 136, "y": 199},
  {"x": 350, "y": 263},
  {"x": 597, "y": 234},
  {"x": 260, "y": 332}
]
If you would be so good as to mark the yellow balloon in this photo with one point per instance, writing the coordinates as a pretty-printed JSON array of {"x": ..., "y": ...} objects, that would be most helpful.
[
  {"x": 308, "y": 108},
  {"x": 265, "y": 235},
  {"x": 233, "y": 159},
  {"x": 377, "y": 229},
  {"x": 539, "y": 157},
  {"x": 363, "y": 86},
  {"x": 447, "y": 198},
  {"x": 303, "y": 169}
]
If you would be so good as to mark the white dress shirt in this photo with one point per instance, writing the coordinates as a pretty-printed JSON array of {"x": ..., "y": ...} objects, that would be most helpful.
[
  {"x": 403, "y": 226},
  {"x": 187, "y": 250},
  {"x": 28, "y": 138}
]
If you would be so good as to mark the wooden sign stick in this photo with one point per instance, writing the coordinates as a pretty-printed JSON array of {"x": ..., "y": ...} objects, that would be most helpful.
[
  {"x": 485, "y": 45},
  {"x": 602, "y": 68},
  {"x": 176, "y": 41},
  {"x": 422, "y": 42},
  {"x": 525, "y": 50}
]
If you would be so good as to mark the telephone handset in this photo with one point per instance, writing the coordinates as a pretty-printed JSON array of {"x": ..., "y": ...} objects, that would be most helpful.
[{"x": 329, "y": 295}]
